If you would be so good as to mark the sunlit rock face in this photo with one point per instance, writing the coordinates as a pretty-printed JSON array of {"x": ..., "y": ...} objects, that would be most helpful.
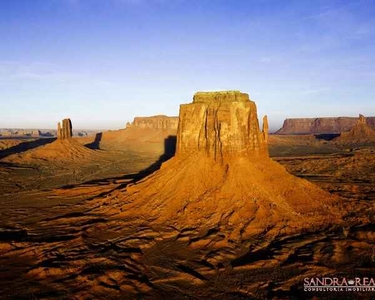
[
  {"x": 222, "y": 176},
  {"x": 64, "y": 131},
  {"x": 221, "y": 124}
]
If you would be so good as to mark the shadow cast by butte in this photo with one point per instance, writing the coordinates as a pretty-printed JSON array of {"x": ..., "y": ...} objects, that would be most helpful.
[
  {"x": 169, "y": 152},
  {"x": 95, "y": 145},
  {"x": 25, "y": 146}
]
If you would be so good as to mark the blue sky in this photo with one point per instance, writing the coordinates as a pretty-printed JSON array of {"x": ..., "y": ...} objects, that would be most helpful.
[{"x": 102, "y": 62}]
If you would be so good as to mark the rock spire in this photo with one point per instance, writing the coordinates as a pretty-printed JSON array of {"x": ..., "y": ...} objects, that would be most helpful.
[
  {"x": 265, "y": 129},
  {"x": 64, "y": 131},
  {"x": 361, "y": 120}
]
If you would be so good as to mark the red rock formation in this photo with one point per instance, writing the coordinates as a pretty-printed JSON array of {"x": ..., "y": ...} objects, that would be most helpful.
[
  {"x": 35, "y": 133},
  {"x": 361, "y": 120},
  {"x": 220, "y": 124},
  {"x": 361, "y": 133},
  {"x": 320, "y": 125},
  {"x": 63, "y": 150},
  {"x": 222, "y": 176},
  {"x": 159, "y": 122},
  {"x": 64, "y": 131}
]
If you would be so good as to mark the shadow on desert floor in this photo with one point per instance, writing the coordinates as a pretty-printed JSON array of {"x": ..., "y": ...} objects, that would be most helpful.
[
  {"x": 169, "y": 152},
  {"x": 25, "y": 146},
  {"x": 95, "y": 145}
]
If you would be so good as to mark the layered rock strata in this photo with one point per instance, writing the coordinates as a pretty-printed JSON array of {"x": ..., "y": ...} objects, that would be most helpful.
[
  {"x": 321, "y": 125},
  {"x": 220, "y": 124}
]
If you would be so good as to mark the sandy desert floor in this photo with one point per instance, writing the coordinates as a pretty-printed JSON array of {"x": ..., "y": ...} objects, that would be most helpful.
[{"x": 55, "y": 245}]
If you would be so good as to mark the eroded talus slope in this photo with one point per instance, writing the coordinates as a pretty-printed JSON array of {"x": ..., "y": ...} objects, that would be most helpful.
[
  {"x": 59, "y": 150},
  {"x": 220, "y": 220}
]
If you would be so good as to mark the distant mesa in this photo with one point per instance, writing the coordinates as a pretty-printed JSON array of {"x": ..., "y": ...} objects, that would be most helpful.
[
  {"x": 222, "y": 175},
  {"x": 20, "y": 133},
  {"x": 82, "y": 133},
  {"x": 64, "y": 131},
  {"x": 321, "y": 125},
  {"x": 159, "y": 122}
]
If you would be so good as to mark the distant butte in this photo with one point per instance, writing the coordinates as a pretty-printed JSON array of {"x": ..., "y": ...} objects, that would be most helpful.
[
  {"x": 63, "y": 149},
  {"x": 222, "y": 175}
]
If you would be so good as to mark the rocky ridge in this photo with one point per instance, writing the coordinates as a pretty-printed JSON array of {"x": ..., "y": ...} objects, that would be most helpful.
[{"x": 321, "y": 125}]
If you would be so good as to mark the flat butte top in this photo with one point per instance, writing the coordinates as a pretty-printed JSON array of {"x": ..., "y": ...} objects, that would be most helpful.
[{"x": 220, "y": 96}]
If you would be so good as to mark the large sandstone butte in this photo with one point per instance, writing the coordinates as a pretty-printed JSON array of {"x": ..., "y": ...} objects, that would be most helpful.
[
  {"x": 220, "y": 124},
  {"x": 222, "y": 175},
  {"x": 321, "y": 125},
  {"x": 64, "y": 131}
]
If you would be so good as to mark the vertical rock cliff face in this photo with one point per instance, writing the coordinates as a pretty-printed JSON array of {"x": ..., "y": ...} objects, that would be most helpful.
[
  {"x": 222, "y": 176},
  {"x": 220, "y": 124},
  {"x": 64, "y": 131}
]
